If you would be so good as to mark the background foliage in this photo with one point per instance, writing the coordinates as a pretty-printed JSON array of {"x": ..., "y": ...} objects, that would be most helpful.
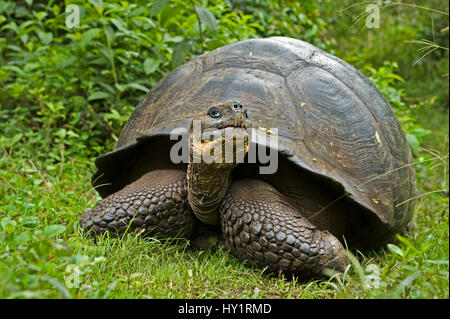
[{"x": 65, "y": 94}]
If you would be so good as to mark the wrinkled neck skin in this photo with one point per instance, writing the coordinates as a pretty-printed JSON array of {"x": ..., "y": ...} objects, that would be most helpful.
[{"x": 207, "y": 186}]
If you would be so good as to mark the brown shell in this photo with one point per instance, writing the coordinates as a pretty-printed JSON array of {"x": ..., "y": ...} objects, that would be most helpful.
[{"x": 331, "y": 119}]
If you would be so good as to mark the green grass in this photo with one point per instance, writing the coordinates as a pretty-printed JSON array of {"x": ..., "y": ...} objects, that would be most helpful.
[
  {"x": 41, "y": 250},
  {"x": 68, "y": 103}
]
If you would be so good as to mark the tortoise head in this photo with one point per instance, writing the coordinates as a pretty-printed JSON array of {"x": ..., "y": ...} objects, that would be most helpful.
[
  {"x": 218, "y": 142},
  {"x": 218, "y": 135},
  {"x": 223, "y": 115}
]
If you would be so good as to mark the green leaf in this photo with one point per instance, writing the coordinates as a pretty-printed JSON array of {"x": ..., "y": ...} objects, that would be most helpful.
[
  {"x": 120, "y": 87},
  {"x": 58, "y": 285},
  {"x": 54, "y": 230},
  {"x": 407, "y": 243},
  {"x": 16, "y": 138},
  {"x": 138, "y": 86},
  {"x": 420, "y": 131},
  {"x": 45, "y": 37},
  {"x": 395, "y": 76},
  {"x": 22, "y": 238},
  {"x": 88, "y": 36},
  {"x": 206, "y": 17},
  {"x": 413, "y": 142},
  {"x": 175, "y": 39},
  {"x": 8, "y": 224},
  {"x": 40, "y": 15},
  {"x": 157, "y": 6},
  {"x": 29, "y": 221},
  {"x": 109, "y": 33},
  {"x": 150, "y": 65},
  {"x": 99, "y": 95},
  {"x": 97, "y": 3},
  {"x": 137, "y": 12},
  {"x": 178, "y": 52},
  {"x": 15, "y": 69},
  {"x": 119, "y": 25},
  {"x": 395, "y": 249},
  {"x": 212, "y": 240}
]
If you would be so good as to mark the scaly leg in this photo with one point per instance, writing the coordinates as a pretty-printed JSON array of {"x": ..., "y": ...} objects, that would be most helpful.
[
  {"x": 258, "y": 224},
  {"x": 156, "y": 203}
]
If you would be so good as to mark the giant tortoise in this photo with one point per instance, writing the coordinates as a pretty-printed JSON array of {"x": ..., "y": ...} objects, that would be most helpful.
[{"x": 343, "y": 177}]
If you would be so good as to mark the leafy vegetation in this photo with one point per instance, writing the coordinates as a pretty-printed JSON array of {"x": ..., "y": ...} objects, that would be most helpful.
[{"x": 65, "y": 94}]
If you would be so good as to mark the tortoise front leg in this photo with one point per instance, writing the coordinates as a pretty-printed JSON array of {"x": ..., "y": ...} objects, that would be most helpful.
[
  {"x": 259, "y": 225},
  {"x": 156, "y": 203}
]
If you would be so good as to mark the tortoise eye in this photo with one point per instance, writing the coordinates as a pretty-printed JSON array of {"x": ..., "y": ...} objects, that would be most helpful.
[{"x": 215, "y": 112}]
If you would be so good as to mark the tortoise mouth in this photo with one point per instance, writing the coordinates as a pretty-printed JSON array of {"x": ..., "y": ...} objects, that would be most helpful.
[
  {"x": 226, "y": 146},
  {"x": 236, "y": 123},
  {"x": 233, "y": 128}
]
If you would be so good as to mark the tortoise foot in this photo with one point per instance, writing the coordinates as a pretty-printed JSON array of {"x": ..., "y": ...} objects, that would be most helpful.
[
  {"x": 156, "y": 205},
  {"x": 259, "y": 225}
]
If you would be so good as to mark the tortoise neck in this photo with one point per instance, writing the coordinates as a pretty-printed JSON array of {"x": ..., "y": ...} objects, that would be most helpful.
[{"x": 207, "y": 185}]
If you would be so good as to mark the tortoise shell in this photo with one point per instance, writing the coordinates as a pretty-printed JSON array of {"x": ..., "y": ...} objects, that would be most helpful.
[{"x": 331, "y": 120}]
